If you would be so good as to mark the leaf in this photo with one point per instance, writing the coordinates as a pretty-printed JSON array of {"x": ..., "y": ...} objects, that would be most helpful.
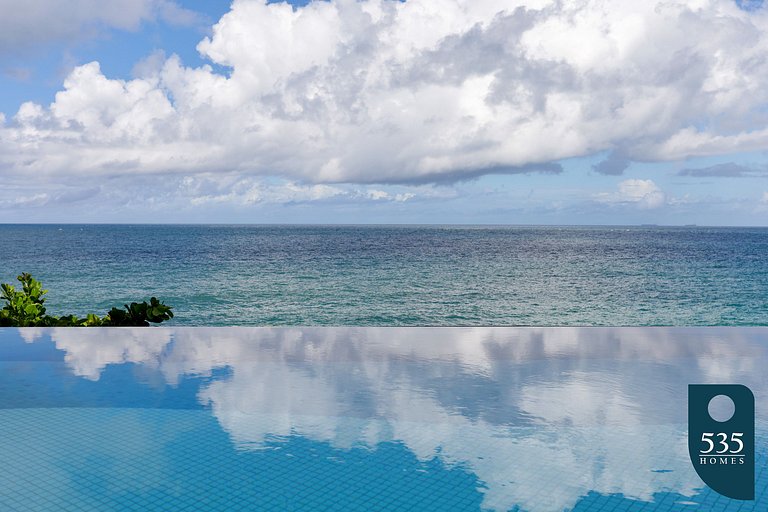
[{"x": 25, "y": 307}]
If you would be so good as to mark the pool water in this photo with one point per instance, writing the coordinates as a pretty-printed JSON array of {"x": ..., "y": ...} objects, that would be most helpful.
[{"x": 305, "y": 419}]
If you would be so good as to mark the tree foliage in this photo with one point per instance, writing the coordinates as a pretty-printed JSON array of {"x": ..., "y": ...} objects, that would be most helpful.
[{"x": 26, "y": 308}]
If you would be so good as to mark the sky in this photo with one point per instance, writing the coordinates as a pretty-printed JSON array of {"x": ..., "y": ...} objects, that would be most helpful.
[{"x": 384, "y": 111}]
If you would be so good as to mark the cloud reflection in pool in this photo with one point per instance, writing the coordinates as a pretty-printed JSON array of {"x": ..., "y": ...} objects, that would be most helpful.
[{"x": 542, "y": 416}]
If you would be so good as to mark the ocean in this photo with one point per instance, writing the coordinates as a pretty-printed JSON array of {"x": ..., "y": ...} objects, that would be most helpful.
[{"x": 401, "y": 275}]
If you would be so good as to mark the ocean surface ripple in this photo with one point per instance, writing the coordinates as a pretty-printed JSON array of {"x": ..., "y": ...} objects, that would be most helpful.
[{"x": 402, "y": 275}]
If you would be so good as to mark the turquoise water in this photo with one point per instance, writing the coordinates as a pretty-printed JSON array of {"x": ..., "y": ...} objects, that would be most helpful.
[
  {"x": 389, "y": 419},
  {"x": 294, "y": 275}
]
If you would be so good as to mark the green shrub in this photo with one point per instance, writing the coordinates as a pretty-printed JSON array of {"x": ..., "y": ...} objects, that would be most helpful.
[{"x": 25, "y": 308}]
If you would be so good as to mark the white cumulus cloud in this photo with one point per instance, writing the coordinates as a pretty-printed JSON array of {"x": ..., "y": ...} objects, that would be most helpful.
[
  {"x": 379, "y": 91},
  {"x": 32, "y": 23},
  {"x": 644, "y": 194}
]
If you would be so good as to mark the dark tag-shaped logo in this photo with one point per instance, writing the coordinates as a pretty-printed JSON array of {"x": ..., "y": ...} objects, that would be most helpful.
[{"x": 721, "y": 437}]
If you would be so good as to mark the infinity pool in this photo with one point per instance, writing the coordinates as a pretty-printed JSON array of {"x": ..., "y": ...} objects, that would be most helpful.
[{"x": 369, "y": 419}]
